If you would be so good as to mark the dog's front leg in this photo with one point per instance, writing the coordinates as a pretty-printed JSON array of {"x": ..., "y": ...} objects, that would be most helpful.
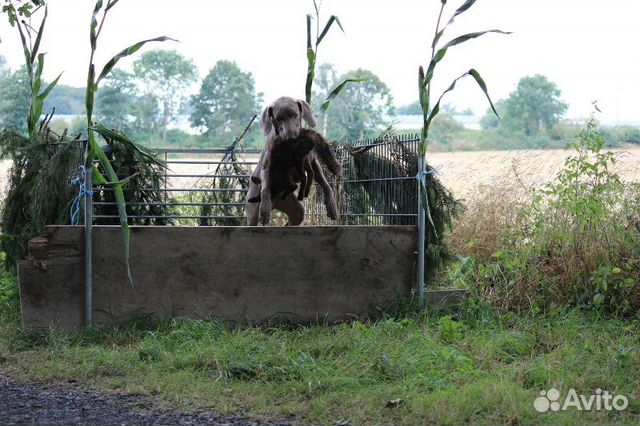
[{"x": 265, "y": 197}]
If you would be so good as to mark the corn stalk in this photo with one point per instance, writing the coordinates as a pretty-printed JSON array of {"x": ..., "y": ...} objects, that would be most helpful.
[
  {"x": 430, "y": 112},
  {"x": 34, "y": 61},
  {"x": 312, "y": 54},
  {"x": 94, "y": 151}
]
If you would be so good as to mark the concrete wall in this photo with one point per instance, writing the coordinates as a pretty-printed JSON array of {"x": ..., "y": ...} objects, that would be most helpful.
[{"x": 233, "y": 273}]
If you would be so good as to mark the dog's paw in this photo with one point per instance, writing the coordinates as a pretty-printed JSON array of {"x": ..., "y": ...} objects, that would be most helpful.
[{"x": 265, "y": 212}]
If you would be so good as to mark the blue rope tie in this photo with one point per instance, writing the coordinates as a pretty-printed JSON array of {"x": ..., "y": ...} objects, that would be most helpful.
[
  {"x": 436, "y": 171},
  {"x": 76, "y": 205}
]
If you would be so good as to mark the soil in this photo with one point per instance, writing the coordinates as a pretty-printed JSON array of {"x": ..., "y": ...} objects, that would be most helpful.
[{"x": 72, "y": 404}]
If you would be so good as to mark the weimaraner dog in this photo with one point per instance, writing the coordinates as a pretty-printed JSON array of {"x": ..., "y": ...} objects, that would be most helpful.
[{"x": 283, "y": 118}]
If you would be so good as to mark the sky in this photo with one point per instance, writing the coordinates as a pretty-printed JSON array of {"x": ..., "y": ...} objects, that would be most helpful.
[{"x": 587, "y": 47}]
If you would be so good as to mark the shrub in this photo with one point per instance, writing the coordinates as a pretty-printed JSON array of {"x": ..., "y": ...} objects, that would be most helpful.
[{"x": 572, "y": 242}]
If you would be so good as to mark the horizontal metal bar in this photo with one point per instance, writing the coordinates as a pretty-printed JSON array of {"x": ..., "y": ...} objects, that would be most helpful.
[
  {"x": 174, "y": 190},
  {"x": 202, "y": 151},
  {"x": 105, "y": 203},
  {"x": 380, "y": 214},
  {"x": 378, "y": 179},
  {"x": 208, "y": 176},
  {"x": 242, "y": 163},
  {"x": 167, "y": 217}
]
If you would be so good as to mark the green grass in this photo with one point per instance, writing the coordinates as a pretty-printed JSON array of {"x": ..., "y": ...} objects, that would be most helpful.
[{"x": 475, "y": 367}]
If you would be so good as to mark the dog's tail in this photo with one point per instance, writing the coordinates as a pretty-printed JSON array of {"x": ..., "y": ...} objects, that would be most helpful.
[{"x": 328, "y": 157}]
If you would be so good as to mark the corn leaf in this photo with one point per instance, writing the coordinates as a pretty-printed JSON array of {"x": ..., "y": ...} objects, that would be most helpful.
[
  {"x": 37, "y": 80},
  {"x": 127, "y": 52},
  {"x": 466, "y": 6},
  {"x": 111, "y": 4},
  {"x": 25, "y": 48},
  {"x": 91, "y": 91},
  {"x": 309, "y": 18},
  {"x": 335, "y": 92},
  {"x": 443, "y": 50},
  {"x": 330, "y": 22},
  {"x": 36, "y": 44},
  {"x": 93, "y": 36},
  {"x": 122, "y": 207},
  {"x": 42, "y": 96},
  {"x": 119, "y": 137},
  {"x": 476, "y": 75},
  {"x": 126, "y": 232},
  {"x": 311, "y": 72}
]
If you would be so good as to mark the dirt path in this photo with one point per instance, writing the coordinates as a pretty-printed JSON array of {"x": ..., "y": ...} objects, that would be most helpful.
[{"x": 46, "y": 404}]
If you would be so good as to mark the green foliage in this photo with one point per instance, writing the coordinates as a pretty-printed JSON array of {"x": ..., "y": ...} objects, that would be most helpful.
[
  {"x": 573, "y": 242},
  {"x": 15, "y": 96},
  {"x": 146, "y": 179},
  {"x": 226, "y": 100},
  {"x": 9, "y": 296},
  {"x": 621, "y": 135},
  {"x": 444, "y": 131},
  {"x": 450, "y": 329},
  {"x": 227, "y": 206},
  {"x": 534, "y": 108},
  {"x": 66, "y": 100},
  {"x": 39, "y": 192},
  {"x": 361, "y": 109},
  {"x": 477, "y": 367},
  {"x": 368, "y": 194},
  {"x": 410, "y": 109},
  {"x": 4, "y": 68},
  {"x": 165, "y": 75},
  {"x": 430, "y": 111},
  {"x": 119, "y": 104}
]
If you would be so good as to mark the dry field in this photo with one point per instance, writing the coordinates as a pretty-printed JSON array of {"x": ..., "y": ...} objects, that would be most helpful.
[{"x": 460, "y": 171}]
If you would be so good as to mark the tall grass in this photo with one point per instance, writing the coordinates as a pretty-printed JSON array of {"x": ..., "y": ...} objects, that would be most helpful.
[{"x": 575, "y": 241}]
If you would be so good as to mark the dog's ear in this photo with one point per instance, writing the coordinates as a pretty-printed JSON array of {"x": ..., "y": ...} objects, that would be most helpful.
[
  {"x": 306, "y": 113},
  {"x": 265, "y": 120}
]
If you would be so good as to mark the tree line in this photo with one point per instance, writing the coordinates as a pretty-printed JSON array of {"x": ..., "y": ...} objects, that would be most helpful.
[{"x": 149, "y": 102}]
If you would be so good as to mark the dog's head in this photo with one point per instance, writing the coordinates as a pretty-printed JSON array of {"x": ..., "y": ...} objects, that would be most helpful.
[{"x": 284, "y": 117}]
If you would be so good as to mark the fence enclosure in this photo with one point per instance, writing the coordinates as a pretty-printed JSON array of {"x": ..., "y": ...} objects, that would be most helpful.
[{"x": 208, "y": 186}]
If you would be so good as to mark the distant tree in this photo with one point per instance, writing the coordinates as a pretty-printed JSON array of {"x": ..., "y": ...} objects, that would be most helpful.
[
  {"x": 117, "y": 103},
  {"x": 5, "y": 71},
  {"x": 326, "y": 78},
  {"x": 14, "y": 101},
  {"x": 225, "y": 103},
  {"x": 534, "y": 107},
  {"x": 66, "y": 100},
  {"x": 165, "y": 75},
  {"x": 410, "y": 109},
  {"x": 361, "y": 108},
  {"x": 444, "y": 130},
  {"x": 489, "y": 121}
]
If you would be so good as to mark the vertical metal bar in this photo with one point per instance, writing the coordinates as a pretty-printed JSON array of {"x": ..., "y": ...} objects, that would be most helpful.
[
  {"x": 421, "y": 229},
  {"x": 88, "y": 247}
]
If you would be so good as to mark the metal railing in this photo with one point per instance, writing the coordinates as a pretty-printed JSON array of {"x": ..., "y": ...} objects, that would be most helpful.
[{"x": 208, "y": 187}]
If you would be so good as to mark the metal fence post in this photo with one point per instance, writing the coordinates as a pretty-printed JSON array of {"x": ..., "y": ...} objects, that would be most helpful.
[
  {"x": 88, "y": 246},
  {"x": 421, "y": 228}
]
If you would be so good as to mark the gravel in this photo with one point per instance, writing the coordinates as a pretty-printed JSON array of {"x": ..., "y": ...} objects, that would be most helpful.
[{"x": 53, "y": 404}]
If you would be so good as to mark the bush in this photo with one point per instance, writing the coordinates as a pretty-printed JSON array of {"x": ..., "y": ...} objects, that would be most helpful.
[{"x": 573, "y": 242}]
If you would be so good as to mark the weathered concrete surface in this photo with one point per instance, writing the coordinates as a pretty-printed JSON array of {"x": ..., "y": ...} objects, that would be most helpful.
[{"x": 233, "y": 273}]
